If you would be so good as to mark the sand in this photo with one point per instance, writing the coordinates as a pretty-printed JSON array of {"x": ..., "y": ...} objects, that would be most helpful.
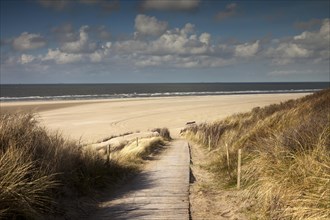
[{"x": 92, "y": 120}]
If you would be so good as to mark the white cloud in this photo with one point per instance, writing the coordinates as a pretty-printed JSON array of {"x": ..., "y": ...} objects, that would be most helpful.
[
  {"x": 288, "y": 72},
  {"x": 65, "y": 33},
  {"x": 204, "y": 61},
  {"x": 82, "y": 45},
  {"x": 26, "y": 58},
  {"x": 188, "y": 29},
  {"x": 282, "y": 72},
  {"x": 97, "y": 56},
  {"x": 182, "y": 48},
  {"x": 325, "y": 28},
  {"x": 60, "y": 57},
  {"x": 182, "y": 62},
  {"x": 286, "y": 53},
  {"x": 28, "y": 41},
  {"x": 170, "y": 42},
  {"x": 312, "y": 45},
  {"x": 315, "y": 40},
  {"x": 178, "y": 47},
  {"x": 247, "y": 49},
  {"x": 205, "y": 38},
  {"x": 152, "y": 60},
  {"x": 181, "y": 41},
  {"x": 146, "y": 25},
  {"x": 130, "y": 46},
  {"x": 177, "y": 5},
  {"x": 107, "y": 45},
  {"x": 293, "y": 51}
]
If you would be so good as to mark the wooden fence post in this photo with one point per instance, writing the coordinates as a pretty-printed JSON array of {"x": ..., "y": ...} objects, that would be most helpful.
[
  {"x": 239, "y": 168},
  {"x": 108, "y": 153},
  {"x": 227, "y": 151},
  {"x": 209, "y": 143}
]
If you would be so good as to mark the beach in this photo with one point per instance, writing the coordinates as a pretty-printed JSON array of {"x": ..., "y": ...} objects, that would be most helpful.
[{"x": 90, "y": 121}]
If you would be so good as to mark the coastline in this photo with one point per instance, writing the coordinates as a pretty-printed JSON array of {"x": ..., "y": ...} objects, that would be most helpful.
[
  {"x": 46, "y": 105},
  {"x": 91, "y": 120}
]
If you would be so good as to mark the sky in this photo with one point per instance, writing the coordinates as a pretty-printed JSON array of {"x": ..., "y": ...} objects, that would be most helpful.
[{"x": 149, "y": 41}]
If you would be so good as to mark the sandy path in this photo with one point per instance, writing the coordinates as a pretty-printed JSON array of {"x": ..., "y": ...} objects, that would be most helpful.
[
  {"x": 97, "y": 119},
  {"x": 207, "y": 199},
  {"x": 161, "y": 191}
]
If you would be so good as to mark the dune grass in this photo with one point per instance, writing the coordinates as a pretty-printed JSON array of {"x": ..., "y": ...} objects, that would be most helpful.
[
  {"x": 163, "y": 132},
  {"x": 286, "y": 156},
  {"x": 38, "y": 168},
  {"x": 135, "y": 152}
]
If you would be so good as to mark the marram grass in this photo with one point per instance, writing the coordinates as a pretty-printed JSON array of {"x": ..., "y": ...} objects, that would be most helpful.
[
  {"x": 286, "y": 156},
  {"x": 39, "y": 168}
]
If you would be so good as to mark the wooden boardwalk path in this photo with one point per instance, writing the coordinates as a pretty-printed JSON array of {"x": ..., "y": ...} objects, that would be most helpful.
[{"x": 161, "y": 191}]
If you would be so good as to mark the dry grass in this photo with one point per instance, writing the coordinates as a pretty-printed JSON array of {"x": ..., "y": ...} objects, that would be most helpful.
[
  {"x": 38, "y": 168},
  {"x": 23, "y": 186},
  {"x": 163, "y": 132},
  {"x": 286, "y": 156},
  {"x": 145, "y": 147}
]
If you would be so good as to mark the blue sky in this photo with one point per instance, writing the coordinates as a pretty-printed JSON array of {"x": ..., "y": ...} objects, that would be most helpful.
[{"x": 111, "y": 41}]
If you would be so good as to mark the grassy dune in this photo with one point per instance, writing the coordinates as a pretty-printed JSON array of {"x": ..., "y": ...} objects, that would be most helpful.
[
  {"x": 38, "y": 168},
  {"x": 286, "y": 156}
]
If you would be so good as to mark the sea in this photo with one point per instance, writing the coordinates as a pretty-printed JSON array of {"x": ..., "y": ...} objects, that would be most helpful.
[{"x": 35, "y": 92}]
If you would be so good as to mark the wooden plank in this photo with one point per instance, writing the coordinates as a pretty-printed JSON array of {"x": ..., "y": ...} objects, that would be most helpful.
[{"x": 161, "y": 191}]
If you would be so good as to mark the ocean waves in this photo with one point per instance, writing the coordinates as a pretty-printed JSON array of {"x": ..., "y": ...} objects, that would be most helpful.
[{"x": 146, "y": 95}]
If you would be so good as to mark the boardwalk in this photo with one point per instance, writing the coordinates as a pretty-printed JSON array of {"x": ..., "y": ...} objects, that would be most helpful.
[{"x": 159, "y": 192}]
